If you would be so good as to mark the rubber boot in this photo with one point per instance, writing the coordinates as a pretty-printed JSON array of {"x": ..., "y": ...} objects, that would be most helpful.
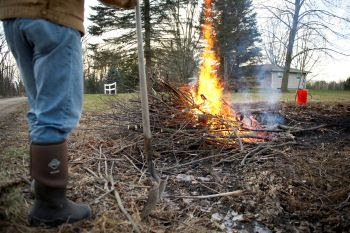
[{"x": 50, "y": 172}]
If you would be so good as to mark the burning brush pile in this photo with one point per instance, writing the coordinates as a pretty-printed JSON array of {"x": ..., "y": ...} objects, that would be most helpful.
[
  {"x": 182, "y": 127},
  {"x": 283, "y": 176},
  {"x": 205, "y": 154},
  {"x": 198, "y": 116}
]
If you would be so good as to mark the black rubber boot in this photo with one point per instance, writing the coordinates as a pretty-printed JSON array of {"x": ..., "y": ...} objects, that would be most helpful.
[
  {"x": 49, "y": 169},
  {"x": 52, "y": 208}
]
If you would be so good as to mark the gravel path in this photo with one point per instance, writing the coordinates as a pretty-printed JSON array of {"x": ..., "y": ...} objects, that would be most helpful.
[{"x": 9, "y": 105}]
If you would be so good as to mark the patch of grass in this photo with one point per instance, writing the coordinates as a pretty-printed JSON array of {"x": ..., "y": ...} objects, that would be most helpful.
[
  {"x": 11, "y": 202},
  {"x": 330, "y": 95},
  {"x": 97, "y": 102},
  {"x": 12, "y": 164},
  {"x": 15, "y": 151},
  {"x": 266, "y": 95},
  {"x": 11, "y": 161}
]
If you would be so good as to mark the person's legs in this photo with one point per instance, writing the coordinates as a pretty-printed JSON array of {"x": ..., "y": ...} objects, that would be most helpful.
[
  {"x": 56, "y": 99},
  {"x": 23, "y": 54},
  {"x": 57, "y": 60},
  {"x": 50, "y": 62}
]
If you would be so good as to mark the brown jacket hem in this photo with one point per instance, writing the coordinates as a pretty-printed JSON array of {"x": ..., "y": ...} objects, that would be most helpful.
[{"x": 34, "y": 11}]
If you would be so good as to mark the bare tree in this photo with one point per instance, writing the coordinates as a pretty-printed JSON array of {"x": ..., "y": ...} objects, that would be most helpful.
[
  {"x": 274, "y": 45},
  {"x": 318, "y": 19},
  {"x": 10, "y": 84},
  {"x": 179, "y": 46}
]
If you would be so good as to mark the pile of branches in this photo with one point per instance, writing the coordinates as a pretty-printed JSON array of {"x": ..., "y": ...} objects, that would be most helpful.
[
  {"x": 178, "y": 131},
  {"x": 188, "y": 150}
]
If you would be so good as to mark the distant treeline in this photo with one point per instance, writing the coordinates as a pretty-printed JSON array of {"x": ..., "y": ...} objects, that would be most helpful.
[
  {"x": 10, "y": 85},
  {"x": 323, "y": 85}
]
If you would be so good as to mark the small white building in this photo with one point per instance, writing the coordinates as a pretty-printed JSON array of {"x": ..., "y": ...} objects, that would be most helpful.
[{"x": 270, "y": 76}]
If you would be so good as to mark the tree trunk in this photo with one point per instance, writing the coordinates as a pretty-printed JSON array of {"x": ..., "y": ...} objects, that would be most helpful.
[
  {"x": 291, "y": 39},
  {"x": 226, "y": 74},
  {"x": 148, "y": 52}
]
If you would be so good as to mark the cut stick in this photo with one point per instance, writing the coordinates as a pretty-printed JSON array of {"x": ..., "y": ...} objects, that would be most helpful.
[
  {"x": 234, "y": 193},
  {"x": 307, "y": 129}
]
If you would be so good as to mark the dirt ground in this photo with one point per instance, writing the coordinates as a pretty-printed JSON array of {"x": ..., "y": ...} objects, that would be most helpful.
[{"x": 299, "y": 187}]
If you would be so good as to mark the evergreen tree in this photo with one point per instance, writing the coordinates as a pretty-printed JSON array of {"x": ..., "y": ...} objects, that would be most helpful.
[
  {"x": 120, "y": 26},
  {"x": 92, "y": 85},
  {"x": 125, "y": 82},
  {"x": 237, "y": 37},
  {"x": 347, "y": 84}
]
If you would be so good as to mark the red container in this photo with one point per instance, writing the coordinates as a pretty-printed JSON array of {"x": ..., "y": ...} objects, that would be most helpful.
[{"x": 302, "y": 96}]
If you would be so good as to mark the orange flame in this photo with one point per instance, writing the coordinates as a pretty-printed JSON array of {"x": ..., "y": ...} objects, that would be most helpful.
[
  {"x": 208, "y": 95},
  {"x": 209, "y": 92}
]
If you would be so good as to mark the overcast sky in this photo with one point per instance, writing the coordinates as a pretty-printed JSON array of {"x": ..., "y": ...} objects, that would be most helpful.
[{"x": 329, "y": 69}]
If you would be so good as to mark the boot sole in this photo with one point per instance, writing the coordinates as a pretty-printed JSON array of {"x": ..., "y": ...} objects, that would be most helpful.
[{"x": 36, "y": 222}]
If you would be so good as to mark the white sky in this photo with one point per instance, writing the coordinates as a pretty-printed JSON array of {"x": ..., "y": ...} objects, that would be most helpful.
[
  {"x": 329, "y": 69},
  {"x": 88, "y": 11}
]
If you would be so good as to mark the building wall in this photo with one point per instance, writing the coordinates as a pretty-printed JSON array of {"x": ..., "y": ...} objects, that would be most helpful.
[
  {"x": 264, "y": 80},
  {"x": 293, "y": 81},
  {"x": 276, "y": 79}
]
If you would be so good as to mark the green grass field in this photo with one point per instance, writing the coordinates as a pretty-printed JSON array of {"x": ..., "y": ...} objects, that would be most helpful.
[
  {"x": 314, "y": 96},
  {"x": 96, "y": 102}
]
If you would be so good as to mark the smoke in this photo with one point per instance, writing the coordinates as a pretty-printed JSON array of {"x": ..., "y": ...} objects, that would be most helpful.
[
  {"x": 270, "y": 119},
  {"x": 262, "y": 96},
  {"x": 269, "y": 97}
]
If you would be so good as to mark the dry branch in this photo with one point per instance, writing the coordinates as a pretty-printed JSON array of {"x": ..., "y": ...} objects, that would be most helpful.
[{"x": 236, "y": 193}]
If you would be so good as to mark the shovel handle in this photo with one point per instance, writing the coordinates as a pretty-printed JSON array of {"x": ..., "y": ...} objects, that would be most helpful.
[
  {"x": 144, "y": 98},
  {"x": 142, "y": 76}
]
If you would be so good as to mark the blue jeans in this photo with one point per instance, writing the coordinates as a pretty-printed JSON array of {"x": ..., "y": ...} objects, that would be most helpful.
[{"x": 49, "y": 58}]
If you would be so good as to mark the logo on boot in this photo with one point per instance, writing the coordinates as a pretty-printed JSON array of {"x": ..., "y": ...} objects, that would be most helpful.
[{"x": 54, "y": 165}]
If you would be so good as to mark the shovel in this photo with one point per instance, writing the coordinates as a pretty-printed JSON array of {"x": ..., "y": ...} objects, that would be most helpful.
[{"x": 158, "y": 185}]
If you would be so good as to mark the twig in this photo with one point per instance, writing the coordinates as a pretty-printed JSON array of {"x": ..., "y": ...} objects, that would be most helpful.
[
  {"x": 132, "y": 163},
  {"x": 241, "y": 136},
  {"x": 264, "y": 130},
  {"x": 102, "y": 196},
  {"x": 260, "y": 152},
  {"x": 124, "y": 147},
  {"x": 239, "y": 140},
  {"x": 109, "y": 160},
  {"x": 262, "y": 148},
  {"x": 234, "y": 193},
  {"x": 192, "y": 162},
  {"x": 121, "y": 206},
  {"x": 250, "y": 153},
  {"x": 341, "y": 205},
  {"x": 90, "y": 171},
  {"x": 308, "y": 129},
  {"x": 286, "y": 127},
  {"x": 105, "y": 158},
  {"x": 122, "y": 209}
]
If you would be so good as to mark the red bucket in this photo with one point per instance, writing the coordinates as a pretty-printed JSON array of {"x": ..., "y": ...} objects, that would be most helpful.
[{"x": 302, "y": 96}]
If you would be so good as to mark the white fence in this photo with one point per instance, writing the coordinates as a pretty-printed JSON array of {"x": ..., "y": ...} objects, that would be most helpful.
[{"x": 109, "y": 88}]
